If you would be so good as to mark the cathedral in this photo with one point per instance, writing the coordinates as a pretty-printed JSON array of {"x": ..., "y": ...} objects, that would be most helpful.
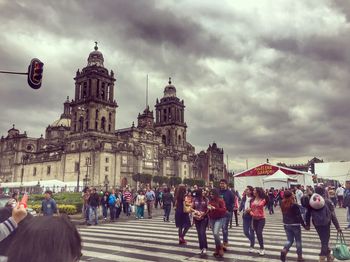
[{"x": 84, "y": 145}]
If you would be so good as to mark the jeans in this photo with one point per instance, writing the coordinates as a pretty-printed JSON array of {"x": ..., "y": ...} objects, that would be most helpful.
[
  {"x": 340, "y": 201},
  {"x": 93, "y": 212},
  {"x": 118, "y": 210},
  {"x": 87, "y": 212},
  {"x": 104, "y": 211},
  {"x": 216, "y": 225},
  {"x": 140, "y": 211},
  {"x": 293, "y": 233},
  {"x": 226, "y": 221},
  {"x": 324, "y": 233},
  {"x": 167, "y": 209},
  {"x": 149, "y": 208},
  {"x": 201, "y": 227},
  {"x": 235, "y": 212},
  {"x": 248, "y": 229},
  {"x": 258, "y": 226},
  {"x": 270, "y": 207},
  {"x": 127, "y": 209},
  {"x": 302, "y": 212},
  {"x": 112, "y": 212}
]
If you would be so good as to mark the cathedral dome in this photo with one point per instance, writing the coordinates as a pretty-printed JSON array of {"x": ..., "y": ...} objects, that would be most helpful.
[
  {"x": 170, "y": 90},
  {"x": 95, "y": 57},
  {"x": 65, "y": 122}
]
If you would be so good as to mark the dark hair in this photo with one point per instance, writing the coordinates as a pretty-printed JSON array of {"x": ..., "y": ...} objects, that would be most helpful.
[
  {"x": 215, "y": 193},
  {"x": 48, "y": 192},
  {"x": 251, "y": 189},
  {"x": 46, "y": 238},
  {"x": 260, "y": 192},
  {"x": 180, "y": 193},
  {"x": 166, "y": 190},
  {"x": 199, "y": 193},
  {"x": 320, "y": 190},
  {"x": 223, "y": 181},
  {"x": 287, "y": 202},
  {"x": 14, "y": 194}
]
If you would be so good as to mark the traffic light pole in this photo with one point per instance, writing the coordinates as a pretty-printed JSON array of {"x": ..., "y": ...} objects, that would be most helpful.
[{"x": 12, "y": 73}]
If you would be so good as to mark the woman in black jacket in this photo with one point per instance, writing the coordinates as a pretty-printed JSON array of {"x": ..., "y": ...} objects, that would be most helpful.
[{"x": 292, "y": 220}]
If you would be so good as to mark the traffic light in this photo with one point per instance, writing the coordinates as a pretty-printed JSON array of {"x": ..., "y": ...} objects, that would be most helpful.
[{"x": 35, "y": 73}]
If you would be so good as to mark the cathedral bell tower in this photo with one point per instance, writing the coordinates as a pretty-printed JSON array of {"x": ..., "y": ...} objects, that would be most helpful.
[
  {"x": 170, "y": 118},
  {"x": 94, "y": 107}
]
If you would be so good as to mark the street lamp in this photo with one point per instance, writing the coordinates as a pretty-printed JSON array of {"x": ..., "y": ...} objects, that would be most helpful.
[
  {"x": 24, "y": 162},
  {"x": 87, "y": 164}
]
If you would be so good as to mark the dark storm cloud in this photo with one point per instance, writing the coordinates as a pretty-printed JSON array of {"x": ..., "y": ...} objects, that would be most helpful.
[{"x": 261, "y": 80}]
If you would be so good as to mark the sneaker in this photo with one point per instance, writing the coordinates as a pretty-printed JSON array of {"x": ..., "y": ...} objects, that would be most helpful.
[
  {"x": 261, "y": 252},
  {"x": 252, "y": 250},
  {"x": 204, "y": 251}
]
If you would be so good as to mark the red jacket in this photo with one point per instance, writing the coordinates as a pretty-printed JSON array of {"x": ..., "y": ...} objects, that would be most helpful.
[{"x": 220, "y": 209}]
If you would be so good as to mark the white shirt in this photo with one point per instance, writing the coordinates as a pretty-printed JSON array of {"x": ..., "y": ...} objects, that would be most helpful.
[
  {"x": 339, "y": 191},
  {"x": 299, "y": 194},
  {"x": 247, "y": 203}
]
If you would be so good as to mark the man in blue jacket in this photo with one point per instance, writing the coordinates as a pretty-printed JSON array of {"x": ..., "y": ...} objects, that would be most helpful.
[{"x": 228, "y": 197}]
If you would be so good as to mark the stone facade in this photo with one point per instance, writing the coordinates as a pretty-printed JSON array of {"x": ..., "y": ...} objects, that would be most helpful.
[
  {"x": 210, "y": 165},
  {"x": 85, "y": 143}
]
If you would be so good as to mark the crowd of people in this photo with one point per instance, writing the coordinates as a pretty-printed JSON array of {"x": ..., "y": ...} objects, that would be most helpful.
[
  {"x": 214, "y": 209},
  {"x": 206, "y": 208}
]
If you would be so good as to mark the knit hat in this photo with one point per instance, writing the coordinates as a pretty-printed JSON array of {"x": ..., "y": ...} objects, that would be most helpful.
[{"x": 317, "y": 201}]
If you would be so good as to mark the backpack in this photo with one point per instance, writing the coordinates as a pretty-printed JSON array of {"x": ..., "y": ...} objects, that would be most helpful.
[
  {"x": 111, "y": 200},
  {"x": 321, "y": 217}
]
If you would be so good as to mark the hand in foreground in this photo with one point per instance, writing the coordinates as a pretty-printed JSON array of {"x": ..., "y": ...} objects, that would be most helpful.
[
  {"x": 307, "y": 227},
  {"x": 339, "y": 230},
  {"x": 19, "y": 213}
]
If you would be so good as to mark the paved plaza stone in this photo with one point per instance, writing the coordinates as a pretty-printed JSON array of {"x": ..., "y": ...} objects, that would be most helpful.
[{"x": 155, "y": 240}]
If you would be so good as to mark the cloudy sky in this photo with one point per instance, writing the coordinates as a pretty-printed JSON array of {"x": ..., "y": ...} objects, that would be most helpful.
[{"x": 263, "y": 79}]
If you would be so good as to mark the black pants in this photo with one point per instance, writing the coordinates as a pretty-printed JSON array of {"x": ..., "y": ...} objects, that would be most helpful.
[
  {"x": 201, "y": 227},
  {"x": 118, "y": 210},
  {"x": 112, "y": 212},
  {"x": 258, "y": 226},
  {"x": 324, "y": 233},
  {"x": 167, "y": 209}
]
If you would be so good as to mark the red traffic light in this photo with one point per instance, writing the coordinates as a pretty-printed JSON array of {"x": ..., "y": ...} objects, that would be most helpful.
[{"x": 35, "y": 71}]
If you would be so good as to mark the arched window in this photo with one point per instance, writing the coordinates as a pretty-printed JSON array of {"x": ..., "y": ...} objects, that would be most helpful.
[
  {"x": 81, "y": 122},
  {"x": 86, "y": 125},
  {"x": 168, "y": 142},
  {"x": 103, "y": 91},
  {"x": 179, "y": 140},
  {"x": 164, "y": 139},
  {"x": 110, "y": 117},
  {"x": 85, "y": 90},
  {"x": 96, "y": 125},
  {"x": 109, "y": 128},
  {"x": 103, "y": 123},
  {"x": 96, "y": 114}
]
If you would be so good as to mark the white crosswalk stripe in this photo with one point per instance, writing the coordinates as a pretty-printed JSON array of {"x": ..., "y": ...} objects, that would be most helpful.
[{"x": 155, "y": 240}]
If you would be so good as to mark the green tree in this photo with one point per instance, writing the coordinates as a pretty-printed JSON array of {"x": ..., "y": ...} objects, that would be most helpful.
[
  {"x": 199, "y": 182},
  {"x": 145, "y": 178},
  {"x": 175, "y": 180},
  {"x": 136, "y": 177},
  {"x": 158, "y": 179}
]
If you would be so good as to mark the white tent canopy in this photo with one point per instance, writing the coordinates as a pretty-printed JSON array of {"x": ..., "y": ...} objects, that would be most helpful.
[{"x": 278, "y": 180}]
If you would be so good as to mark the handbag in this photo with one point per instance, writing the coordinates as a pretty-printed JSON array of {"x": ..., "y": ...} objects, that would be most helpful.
[
  {"x": 187, "y": 208},
  {"x": 341, "y": 250}
]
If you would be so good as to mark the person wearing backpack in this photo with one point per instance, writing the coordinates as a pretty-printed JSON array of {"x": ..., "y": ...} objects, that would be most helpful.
[
  {"x": 321, "y": 210},
  {"x": 111, "y": 203}
]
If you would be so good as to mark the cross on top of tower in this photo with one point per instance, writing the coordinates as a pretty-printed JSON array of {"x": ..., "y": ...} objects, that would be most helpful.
[
  {"x": 169, "y": 80},
  {"x": 96, "y": 47}
]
